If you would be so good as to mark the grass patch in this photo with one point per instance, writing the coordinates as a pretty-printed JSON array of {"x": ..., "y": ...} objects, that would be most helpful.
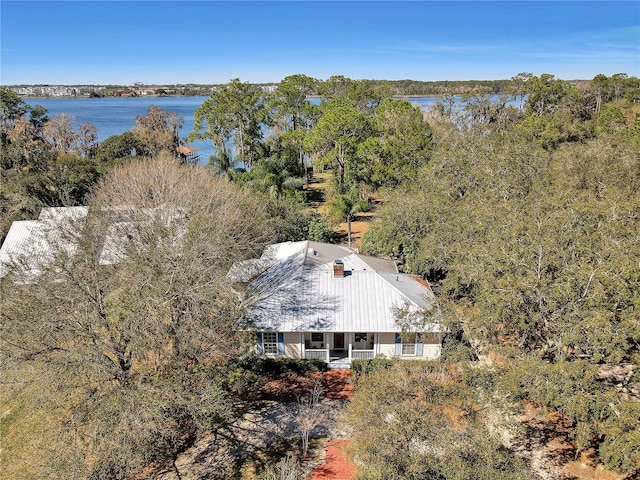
[{"x": 27, "y": 432}]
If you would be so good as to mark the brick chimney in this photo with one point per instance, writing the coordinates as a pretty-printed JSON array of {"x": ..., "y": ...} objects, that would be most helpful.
[{"x": 338, "y": 269}]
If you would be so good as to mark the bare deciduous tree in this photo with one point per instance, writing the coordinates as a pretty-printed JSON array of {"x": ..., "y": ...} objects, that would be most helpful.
[
  {"x": 130, "y": 323},
  {"x": 62, "y": 137},
  {"x": 158, "y": 130},
  {"x": 311, "y": 414}
]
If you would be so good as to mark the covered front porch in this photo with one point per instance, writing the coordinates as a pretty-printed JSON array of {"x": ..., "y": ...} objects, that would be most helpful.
[{"x": 338, "y": 348}]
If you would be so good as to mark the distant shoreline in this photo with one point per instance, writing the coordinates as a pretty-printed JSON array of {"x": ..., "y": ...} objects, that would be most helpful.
[
  {"x": 397, "y": 88},
  {"x": 68, "y": 97}
]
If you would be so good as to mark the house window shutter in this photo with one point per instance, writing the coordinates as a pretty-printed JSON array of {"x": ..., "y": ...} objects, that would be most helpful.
[
  {"x": 280, "y": 343},
  {"x": 259, "y": 345},
  {"x": 419, "y": 345},
  {"x": 398, "y": 344}
]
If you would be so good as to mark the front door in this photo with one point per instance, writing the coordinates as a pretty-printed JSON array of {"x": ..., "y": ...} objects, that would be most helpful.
[{"x": 338, "y": 341}]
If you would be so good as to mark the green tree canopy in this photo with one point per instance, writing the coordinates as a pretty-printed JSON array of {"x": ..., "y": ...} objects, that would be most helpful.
[
  {"x": 537, "y": 254},
  {"x": 402, "y": 145},
  {"x": 433, "y": 426},
  {"x": 335, "y": 139},
  {"x": 11, "y": 106},
  {"x": 234, "y": 111},
  {"x": 293, "y": 116},
  {"x": 365, "y": 95},
  {"x": 345, "y": 207}
]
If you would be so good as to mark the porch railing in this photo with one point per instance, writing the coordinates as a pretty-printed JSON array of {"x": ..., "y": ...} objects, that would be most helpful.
[
  {"x": 362, "y": 354},
  {"x": 317, "y": 354},
  {"x": 351, "y": 354}
]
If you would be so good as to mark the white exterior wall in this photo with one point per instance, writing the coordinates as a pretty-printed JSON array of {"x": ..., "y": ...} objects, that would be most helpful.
[
  {"x": 387, "y": 347},
  {"x": 431, "y": 352},
  {"x": 293, "y": 343},
  {"x": 386, "y": 344}
]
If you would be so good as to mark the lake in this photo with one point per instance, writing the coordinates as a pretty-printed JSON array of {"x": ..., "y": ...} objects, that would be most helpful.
[{"x": 116, "y": 115}]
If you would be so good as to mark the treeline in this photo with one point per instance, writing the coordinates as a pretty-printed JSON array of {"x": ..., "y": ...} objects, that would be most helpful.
[
  {"x": 161, "y": 90},
  {"x": 444, "y": 87},
  {"x": 399, "y": 88}
]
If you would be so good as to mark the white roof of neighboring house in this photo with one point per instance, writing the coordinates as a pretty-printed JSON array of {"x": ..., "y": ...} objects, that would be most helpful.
[
  {"x": 57, "y": 214},
  {"x": 128, "y": 227},
  {"x": 113, "y": 248},
  {"x": 24, "y": 238},
  {"x": 29, "y": 243},
  {"x": 297, "y": 291}
]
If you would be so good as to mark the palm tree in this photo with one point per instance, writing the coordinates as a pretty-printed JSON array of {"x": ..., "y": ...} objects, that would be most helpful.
[
  {"x": 346, "y": 206},
  {"x": 222, "y": 162},
  {"x": 271, "y": 176}
]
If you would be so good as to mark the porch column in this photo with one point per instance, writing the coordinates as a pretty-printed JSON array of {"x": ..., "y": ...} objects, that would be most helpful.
[{"x": 349, "y": 352}]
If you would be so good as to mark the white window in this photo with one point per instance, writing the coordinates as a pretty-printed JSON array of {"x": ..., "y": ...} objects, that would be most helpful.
[
  {"x": 317, "y": 337},
  {"x": 409, "y": 344},
  {"x": 270, "y": 342},
  {"x": 360, "y": 337}
]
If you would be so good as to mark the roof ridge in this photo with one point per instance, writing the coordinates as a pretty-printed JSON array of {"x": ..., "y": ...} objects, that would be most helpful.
[
  {"x": 278, "y": 286},
  {"x": 306, "y": 250}
]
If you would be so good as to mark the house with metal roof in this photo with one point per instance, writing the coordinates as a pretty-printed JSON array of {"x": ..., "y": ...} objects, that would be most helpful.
[
  {"x": 30, "y": 244},
  {"x": 321, "y": 301}
]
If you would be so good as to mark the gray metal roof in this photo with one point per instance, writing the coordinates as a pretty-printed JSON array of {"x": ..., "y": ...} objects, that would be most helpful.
[
  {"x": 299, "y": 292},
  {"x": 29, "y": 243},
  {"x": 130, "y": 225}
]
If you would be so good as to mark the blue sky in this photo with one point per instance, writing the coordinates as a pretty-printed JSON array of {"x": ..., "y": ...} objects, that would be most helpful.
[{"x": 122, "y": 42}]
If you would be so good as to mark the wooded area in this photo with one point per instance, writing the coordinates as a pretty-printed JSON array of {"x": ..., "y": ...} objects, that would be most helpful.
[{"x": 522, "y": 211}]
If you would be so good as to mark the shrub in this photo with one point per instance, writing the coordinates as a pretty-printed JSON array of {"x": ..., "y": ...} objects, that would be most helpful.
[
  {"x": 376, "y": 364},
  {"x": 295, "y": 365},
  {"x": 319, "y": 231}
]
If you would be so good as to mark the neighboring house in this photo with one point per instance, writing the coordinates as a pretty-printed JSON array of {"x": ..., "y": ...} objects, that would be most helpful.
[
  {"x": 29, "y": 244},
  {"x": 131, "y": 226},
  {"x": 321, "y": 301}
]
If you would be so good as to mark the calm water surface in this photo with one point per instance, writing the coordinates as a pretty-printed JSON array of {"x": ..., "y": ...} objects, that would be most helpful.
[{"x": 116, "y": 115}]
